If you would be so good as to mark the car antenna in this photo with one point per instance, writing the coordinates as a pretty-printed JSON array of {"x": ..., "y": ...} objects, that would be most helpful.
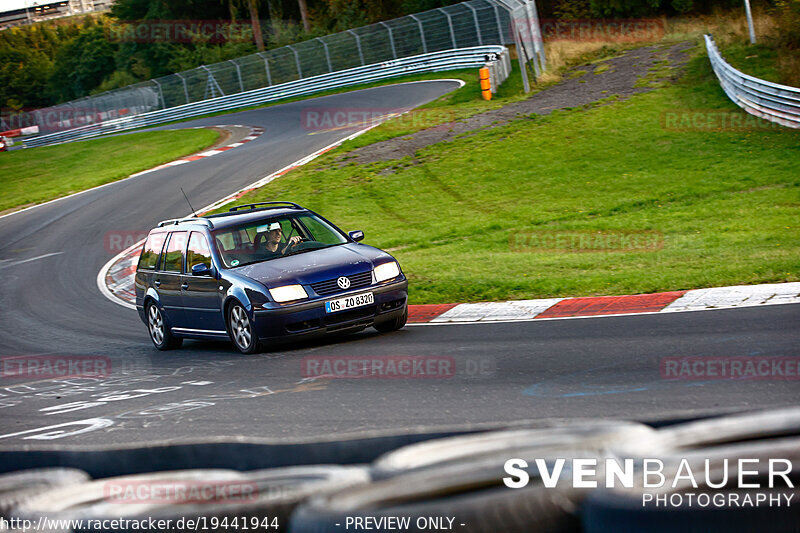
[{"x": 188, "y": 202}]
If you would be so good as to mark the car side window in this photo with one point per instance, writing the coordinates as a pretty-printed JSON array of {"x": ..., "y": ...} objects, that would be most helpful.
[
  {"x": 173, "y": 253},
  {"x": 151, "y": 250},
  {"x": 198, "y": 251},
  {"x": 319, "y": 231}
]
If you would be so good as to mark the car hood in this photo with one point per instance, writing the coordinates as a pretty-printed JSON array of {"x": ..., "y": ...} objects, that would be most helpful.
[{"x": 318, "y": 265}]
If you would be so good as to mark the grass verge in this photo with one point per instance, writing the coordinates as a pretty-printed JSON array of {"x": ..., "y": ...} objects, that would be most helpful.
[
  {"x": 36, "y": 175},
  {"x": 725, "y": 201}
]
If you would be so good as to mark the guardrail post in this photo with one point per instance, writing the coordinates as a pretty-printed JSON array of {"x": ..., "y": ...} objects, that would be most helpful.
[
  {"x": 532, "y": 38},
  {"x": 477, "y": 25},
  {"x": 391, "y": 38},
  {"x": 327, "y": 54},
  {"x": 538, "y": 36},
  {"x": 358, "y": 44},
  {"x": 212, "y": 82},
  {"x": 185, "y": 87},
  {"x": 421, "y": 34},
  {"x": 297, "y": 61},
  {"x": 499, "y": 24},
  {"x": 450, "y": 24},
  {"x": 239, "y": 72},
  {"x": 160, "y": 94},
  {"x": 750, "y": 22},
  {"x": 266, "y": 67},
  {"x": 517, "y": 43}
]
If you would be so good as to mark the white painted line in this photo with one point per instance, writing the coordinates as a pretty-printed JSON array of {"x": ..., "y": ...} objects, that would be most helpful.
[
  {"x": 6, "y": 263},
  {"x": 210, "y": 153},
  {"x": 101, "y": 279},
  {"x": 235, "y": 145}
]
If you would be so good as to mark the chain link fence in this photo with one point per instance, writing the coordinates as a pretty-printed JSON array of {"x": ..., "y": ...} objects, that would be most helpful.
[{"x": 468, "y": 24}]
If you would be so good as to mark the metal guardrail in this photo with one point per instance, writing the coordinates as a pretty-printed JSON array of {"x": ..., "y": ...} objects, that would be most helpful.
[
  {"x": 463, "y": 25},
  {"x": 770, "y": 101},
  {"x": 432, "y": 62}
]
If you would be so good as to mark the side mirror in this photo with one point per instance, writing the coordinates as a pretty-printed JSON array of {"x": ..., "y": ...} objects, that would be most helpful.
[
  {"x": 357, "y": 235},
  {"x": 201, "y": 269}
]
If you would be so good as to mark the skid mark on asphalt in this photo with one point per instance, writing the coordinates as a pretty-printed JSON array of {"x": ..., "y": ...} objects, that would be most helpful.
[
  {"x": 108, "y": 392},
  {"x": 6, "y": 263}
]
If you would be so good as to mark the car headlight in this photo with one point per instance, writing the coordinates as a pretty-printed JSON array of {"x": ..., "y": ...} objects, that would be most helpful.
[
  {"x": 386, "y": 271},
  {"x": 287, "y": 293}
]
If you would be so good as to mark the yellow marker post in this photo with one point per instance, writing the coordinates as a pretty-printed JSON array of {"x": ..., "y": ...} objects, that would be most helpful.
[{"x": 486, "y": 84}]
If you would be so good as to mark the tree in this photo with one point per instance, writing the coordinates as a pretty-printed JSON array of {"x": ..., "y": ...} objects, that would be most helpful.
[{"x": 304, "y": 15}]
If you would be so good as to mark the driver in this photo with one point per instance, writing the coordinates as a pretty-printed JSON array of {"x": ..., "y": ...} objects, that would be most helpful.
[{"x": 274, "y": 235}]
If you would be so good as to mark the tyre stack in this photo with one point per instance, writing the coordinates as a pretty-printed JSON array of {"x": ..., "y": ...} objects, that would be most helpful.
[{"x": 462, "y": 478}]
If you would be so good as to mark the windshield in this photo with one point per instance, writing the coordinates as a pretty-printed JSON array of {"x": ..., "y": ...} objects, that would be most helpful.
[{"x": 275, "y": 237}]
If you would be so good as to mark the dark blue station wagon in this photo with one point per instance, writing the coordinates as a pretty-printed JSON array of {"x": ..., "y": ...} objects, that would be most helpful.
[{"x": 263, "y": 272}]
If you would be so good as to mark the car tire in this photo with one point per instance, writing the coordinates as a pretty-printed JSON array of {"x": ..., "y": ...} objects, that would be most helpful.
[
  {"x": 394, "y": 325},
  {"x": 241, "y": 330},
  {"x": 159, "y": 329}
]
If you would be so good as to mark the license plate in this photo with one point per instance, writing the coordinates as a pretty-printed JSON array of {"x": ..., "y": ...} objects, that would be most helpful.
[{"x": 350, "y": 302}]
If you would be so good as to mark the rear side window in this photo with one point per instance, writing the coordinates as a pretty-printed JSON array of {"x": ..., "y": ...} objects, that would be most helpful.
[
  {"x": 173, "y": 253},
  {"x": 198, "y": 251},
  {"x": 151, "y": 250}
]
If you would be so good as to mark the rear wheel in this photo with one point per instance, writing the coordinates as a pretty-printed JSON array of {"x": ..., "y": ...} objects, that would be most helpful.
[
  {"x": 160, "y": 334},
  {"x": 241, "y": 329},
  {"x": 395, "y": 324}
]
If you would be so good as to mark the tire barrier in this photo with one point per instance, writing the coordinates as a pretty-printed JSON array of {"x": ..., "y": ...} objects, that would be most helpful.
[
  {"x": 190, "y": 495},
  {"x": 614, "y": 511},
  {"x": 454, "y": 479},
  {"x": 20, "y": 486},
  {"x": 552, "y": 437}
]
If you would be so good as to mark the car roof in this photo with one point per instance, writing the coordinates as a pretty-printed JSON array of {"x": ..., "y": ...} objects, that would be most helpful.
[{"x": 230, "y": 219}]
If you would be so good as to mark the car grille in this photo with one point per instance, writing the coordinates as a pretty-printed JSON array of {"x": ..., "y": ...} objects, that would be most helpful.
[{"x": 364, "y": 279}]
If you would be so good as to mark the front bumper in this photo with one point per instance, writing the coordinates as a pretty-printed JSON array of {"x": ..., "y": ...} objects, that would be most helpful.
[{"x": 309, "y": 319}]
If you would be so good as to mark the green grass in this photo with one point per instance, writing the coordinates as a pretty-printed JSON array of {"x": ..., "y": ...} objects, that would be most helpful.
[
  {"x": 758, "y": 60},
  {"x": 36, "y": 175},
  {"x": 726, "y": 202}
]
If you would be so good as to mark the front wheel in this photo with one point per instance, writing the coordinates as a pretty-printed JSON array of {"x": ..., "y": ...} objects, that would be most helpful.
[
  {"x": 160, "y": 334},
  {"x": 393, "y": 325},
  {"x": 241, "y": 329}
]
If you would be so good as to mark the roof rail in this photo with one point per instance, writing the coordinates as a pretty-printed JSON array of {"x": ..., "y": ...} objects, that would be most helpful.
[
  {"x": 253, "y": 206},
  {"x": 175, "y": 221}
]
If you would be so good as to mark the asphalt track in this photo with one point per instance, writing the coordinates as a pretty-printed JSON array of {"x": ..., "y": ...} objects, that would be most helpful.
[{"x": 50, "y": 305}]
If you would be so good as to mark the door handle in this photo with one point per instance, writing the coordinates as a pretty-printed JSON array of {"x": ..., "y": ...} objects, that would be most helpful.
[
  {"x": 157, "y": 283},
  {"x": 185, "y": 286}
]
